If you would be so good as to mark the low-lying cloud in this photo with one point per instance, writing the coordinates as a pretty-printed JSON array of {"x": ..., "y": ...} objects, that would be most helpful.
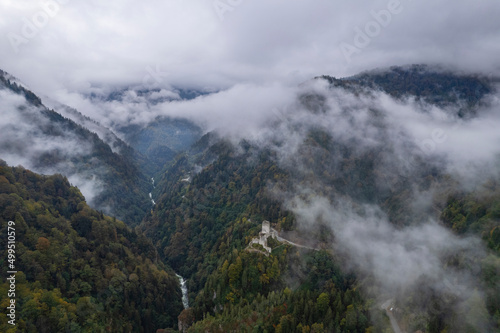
[
  {"x": 33, "y": 141},
  {"x": 237, "y": 112},
  {"x": 403, "y": 142}
]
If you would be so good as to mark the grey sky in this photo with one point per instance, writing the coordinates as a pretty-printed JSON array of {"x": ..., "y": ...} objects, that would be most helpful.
[{"x": 217, "y": 44}]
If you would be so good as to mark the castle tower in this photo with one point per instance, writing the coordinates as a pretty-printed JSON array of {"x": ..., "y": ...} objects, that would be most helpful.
[{"x": 266, "y": 227}]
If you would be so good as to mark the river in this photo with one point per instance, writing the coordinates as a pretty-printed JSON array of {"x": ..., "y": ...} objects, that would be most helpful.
[
  {"x": 185, "y": 299},
  {"x": 184, "y": 289}
]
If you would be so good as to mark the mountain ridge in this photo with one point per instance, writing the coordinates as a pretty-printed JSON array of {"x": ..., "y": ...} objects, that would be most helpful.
[
  {"x": 341, "y": 167},
  {"x": 58, "y": 144}
]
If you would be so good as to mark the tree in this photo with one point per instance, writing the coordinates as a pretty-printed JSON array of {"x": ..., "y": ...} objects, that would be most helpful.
[
  {"x": 42, "y": 244},
  {"x": 235, "y": 270},
  {"x": 322, "y": 303}
]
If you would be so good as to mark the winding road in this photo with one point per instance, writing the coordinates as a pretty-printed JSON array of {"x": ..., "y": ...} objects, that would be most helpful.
[
  {"x": 394, "y": 322},
  {"x": 282, "y": 240},
  {"x": 387, "y": 306}
]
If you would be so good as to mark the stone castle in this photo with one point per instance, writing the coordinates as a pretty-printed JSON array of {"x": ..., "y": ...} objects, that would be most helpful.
[{"x": 266, "y": 232}]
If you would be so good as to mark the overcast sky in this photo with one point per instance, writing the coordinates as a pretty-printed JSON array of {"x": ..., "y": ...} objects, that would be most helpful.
[{"x": 72, "y": 45}]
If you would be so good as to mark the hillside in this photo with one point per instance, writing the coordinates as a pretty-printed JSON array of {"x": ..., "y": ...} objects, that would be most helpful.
[
  {"x": 79, "y": 270},
  {"x": 429, "y": 84},
  {"x": 382, "y": 216},
  {"x": 356, "y": 194},
  {"x": 160, "y": 141},
  {"x": 42, "y": 140}
]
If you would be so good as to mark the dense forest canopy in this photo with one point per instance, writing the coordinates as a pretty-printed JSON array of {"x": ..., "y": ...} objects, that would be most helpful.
[{"x": 79, "y": 270}]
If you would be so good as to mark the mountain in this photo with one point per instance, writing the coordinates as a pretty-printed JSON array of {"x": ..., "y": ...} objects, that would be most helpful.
[
  {"x": 370, "y": 219},
  {"x": 104, "y": 133},
  {"x": 153, "y": 94},
  {"x": 430, "y": 84},
  {"x": 43, "y": 140},
  {"x": 160, "y": 141},
  {"x": 162, "y": 138},
  {"x": 155, "y": 139},
  {"x": 204, "y": 221},
  {"x": 366, "y": 204},
  {"x": 77, "y": 269}
]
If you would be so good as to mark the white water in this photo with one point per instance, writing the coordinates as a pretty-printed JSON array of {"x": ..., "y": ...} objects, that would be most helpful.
[
  {"x": 151, "y": 194},
  {"x": 184, "y": 289}
]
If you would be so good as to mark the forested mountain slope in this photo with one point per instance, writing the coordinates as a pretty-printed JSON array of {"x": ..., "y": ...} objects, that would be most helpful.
[
  {"x": 79, "y": 270},
  {"x": 43, "y": 140},
  {"x": 160, "y": 141},
  {"x": 385, "y": 216},
  {"x": 214, "y": 214},
  {"x": 340, "y": 170},
  {"x": 429, "y": 84}
]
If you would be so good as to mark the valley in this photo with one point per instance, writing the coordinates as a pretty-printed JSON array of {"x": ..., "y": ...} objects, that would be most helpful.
[{"x": 307, "y": 224}]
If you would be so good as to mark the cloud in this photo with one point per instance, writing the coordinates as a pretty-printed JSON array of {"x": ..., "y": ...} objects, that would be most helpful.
[
  {"x": 270, "y": 113},
  {"x": 238, "y": 111},
  {"x": 470, "y": 146},
  {"x": 30, "y": 139},
  {"x": 397, "y": 257},
  {"x": 364, "y": 180},
  {"x": 410, "y": 131},
  {"x": 117, "y": 43},
  {"x": 394, "y": 263}
]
